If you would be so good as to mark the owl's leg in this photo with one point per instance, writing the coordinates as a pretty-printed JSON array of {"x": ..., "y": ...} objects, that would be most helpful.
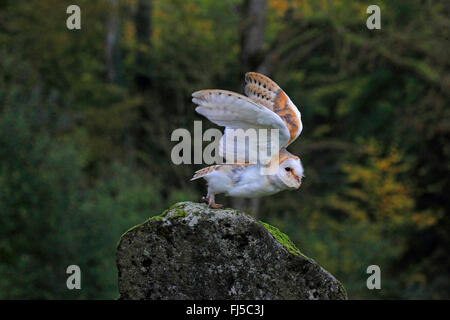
[
  {"x": 212, "y": 202},
  {"x": 205, "y": 199}
]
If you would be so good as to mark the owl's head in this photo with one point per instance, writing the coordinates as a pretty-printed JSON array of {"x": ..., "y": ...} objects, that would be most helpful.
[{"x": 290, "y": 171}]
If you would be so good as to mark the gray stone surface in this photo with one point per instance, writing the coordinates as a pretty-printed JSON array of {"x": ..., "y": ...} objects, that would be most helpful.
[{"x": 193, "y": 252}]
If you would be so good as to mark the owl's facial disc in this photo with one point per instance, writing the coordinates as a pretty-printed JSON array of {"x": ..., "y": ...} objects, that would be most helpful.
[{"x": 291, "y": 173}]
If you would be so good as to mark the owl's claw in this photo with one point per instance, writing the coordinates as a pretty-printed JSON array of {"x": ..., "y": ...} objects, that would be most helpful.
[
  {"x": 216, "y": 206},
  {"x": 210, "y": 201}
]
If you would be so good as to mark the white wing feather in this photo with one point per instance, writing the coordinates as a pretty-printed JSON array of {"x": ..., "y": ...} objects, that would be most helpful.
[{"x": 235, "y": 111}]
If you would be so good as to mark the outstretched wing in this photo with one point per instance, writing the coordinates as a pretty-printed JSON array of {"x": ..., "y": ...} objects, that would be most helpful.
[
  {"x": 266, "y": 92},
  {"x": 233, "y": 171},
  {"x": 235, "y": 111}
]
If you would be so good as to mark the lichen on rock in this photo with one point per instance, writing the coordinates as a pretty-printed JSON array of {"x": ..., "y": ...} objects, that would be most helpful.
[{"x": 193, "y": 252}]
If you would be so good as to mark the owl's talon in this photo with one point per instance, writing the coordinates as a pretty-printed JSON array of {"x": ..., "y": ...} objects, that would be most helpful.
[
  {"x": 216, "y": 206},
  {"x": 204, "y": 200},
  {"x": 211, "y": 201}
]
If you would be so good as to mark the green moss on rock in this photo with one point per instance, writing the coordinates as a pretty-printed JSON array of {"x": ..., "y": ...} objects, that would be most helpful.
[
  {"x": 178, "y": 214},
  {"x": 344, "y": 291},
  {"x": 283, "y": 239}
]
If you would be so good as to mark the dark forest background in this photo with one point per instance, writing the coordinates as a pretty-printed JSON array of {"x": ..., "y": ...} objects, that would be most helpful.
[{"x": 86, "y": 118}]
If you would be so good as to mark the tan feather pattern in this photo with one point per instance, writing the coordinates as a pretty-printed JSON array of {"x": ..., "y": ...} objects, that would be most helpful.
[
  {"x": 282, "y": 157},
  {"x": 230, "y": 169},
  {"x": 261, "y": 89},
  {"x": 266, "y": 92},
  {"x": 204, "y": 171}
]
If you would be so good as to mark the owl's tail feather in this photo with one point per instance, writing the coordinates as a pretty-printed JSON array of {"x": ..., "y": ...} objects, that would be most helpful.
[{"x": 204, "y": 171}]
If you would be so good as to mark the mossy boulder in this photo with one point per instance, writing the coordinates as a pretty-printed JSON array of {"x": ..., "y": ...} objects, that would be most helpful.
[{"x": 194, "y": 252}]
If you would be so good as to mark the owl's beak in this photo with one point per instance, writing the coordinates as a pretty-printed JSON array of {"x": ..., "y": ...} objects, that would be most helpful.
[{"x": 298, "y": 180}]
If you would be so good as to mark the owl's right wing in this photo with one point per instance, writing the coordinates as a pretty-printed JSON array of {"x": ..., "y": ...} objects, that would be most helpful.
[
  {"x": 266, "y": 92},
  {"x": 235, "y": 111}
]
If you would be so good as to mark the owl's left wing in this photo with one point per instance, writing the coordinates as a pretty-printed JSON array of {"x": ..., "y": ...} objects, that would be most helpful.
[
  {"x": 235, "y": 111},
  {"x": 266, "y": 92}
]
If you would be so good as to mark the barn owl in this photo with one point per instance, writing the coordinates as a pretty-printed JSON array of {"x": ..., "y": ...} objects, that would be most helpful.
[{"x": 267, "y": 106}]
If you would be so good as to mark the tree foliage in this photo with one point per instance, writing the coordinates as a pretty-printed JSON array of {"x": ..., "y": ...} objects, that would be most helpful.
[{"x": 85, "y": 132}]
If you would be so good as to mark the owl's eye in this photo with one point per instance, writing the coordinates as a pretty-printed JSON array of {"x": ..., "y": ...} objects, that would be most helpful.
[{"x": 287, "y": 169}]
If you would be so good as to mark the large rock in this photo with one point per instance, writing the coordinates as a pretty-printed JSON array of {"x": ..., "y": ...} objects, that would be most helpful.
[{"x": 193, "y": 252}]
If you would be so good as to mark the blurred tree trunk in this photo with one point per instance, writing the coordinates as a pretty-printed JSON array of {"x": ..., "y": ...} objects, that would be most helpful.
[
  {"x": 252, "y": 31},
  {"x": 253, "y": 22},
  {"x": 142, "y": 21},
  {"x": 142, "y": 78},
  {"x": 112, "y": 50},
  {"x": 114, "y": 69}
]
